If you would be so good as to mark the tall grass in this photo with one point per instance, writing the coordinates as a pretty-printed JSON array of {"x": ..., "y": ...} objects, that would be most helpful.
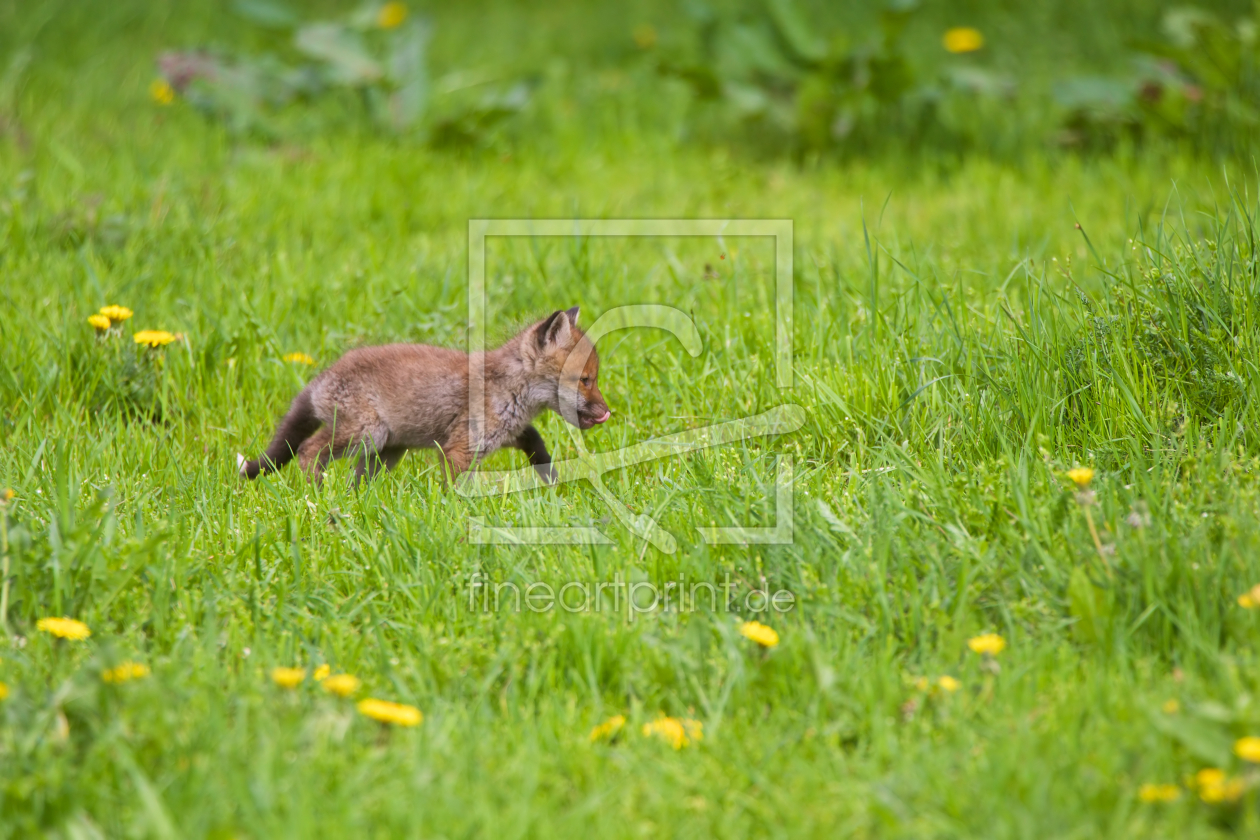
[{"x": 959, "y": 345}]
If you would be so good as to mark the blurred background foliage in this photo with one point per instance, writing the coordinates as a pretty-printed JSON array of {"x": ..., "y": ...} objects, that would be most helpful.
[{"x": 773, "y": 77}]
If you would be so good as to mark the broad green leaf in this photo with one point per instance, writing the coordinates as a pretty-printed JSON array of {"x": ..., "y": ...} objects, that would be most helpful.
[
  {"x": 1205, "y": 740},
  {"x": 408, "y": 71},
  {"x": 341, "y": 50},
  {"x": 795, "y": 31},
  {"x": 269, "y": 13}
]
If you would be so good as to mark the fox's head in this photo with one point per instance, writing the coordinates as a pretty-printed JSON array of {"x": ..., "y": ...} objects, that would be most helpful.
[{"x": 562, "y": 355}]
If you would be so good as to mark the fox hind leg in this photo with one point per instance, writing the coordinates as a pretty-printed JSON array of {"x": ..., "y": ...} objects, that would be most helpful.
[
  {"x": 315, "y": 453},
  {"x": 370, "y": 443}
]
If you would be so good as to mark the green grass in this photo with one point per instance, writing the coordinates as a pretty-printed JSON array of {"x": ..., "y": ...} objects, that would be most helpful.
[{"x": 959, "y": 344}]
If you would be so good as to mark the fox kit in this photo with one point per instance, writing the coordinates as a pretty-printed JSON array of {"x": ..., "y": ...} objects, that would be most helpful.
[{"x": 378, "y": 402}]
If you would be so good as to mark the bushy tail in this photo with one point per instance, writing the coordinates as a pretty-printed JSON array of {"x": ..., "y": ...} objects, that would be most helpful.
[{"x": 299, "y": 424}]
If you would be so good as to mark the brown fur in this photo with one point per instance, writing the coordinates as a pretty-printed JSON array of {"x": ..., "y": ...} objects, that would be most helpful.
[{"x": 378, "y": 402}]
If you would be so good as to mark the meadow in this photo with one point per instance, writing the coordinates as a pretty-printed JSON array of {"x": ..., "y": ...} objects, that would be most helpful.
[{"x": 1032, "y": 411}]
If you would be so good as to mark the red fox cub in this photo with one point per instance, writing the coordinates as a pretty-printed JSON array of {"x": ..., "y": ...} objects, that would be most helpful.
[{"x": 378, "y": 402}]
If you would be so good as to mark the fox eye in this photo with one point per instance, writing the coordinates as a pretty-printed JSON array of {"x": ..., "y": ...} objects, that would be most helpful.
[{"x": 586, "y": 381}]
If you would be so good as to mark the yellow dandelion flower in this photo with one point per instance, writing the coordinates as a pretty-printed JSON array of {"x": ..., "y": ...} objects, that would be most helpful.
[
  {"x": 300, "y": 358},
  {"x": 1082, "y": 476},
  {"x": 154, "y": 338},
  {"x": 386, "y": 712},
  {"x": 288, "y": 677},
  {"x": 116, "y": 313},
  {"x": 321, "y": 672},
  {"x": 1171, "y": 707},
  {"x": 64, "y": 628},
  {"x": 1225, "y": 790},
  {"x": 99, "y": 321},
  {"x": 1215, "y": 787},
  {"x": 7, "y": 494},
  {"x": 990, "y": 643},
  {"x": 391, "y": 15},
  {"x": 609, "y": 728},
  {"x": 4, "y": 691},
  {"x": 678, "y": 733},
  {"x": 1250, "y": 599},
  {"x": 1248, "y": 749},
  {"x": 949, "y": 683},
  {"x": 161, "y": 92},
  {"x": 1151, "y": 792},
  {"x": 962, "y": 39},
  {"x": 343, "y": 685},
  {"x": 126, "y": 671},
  {"x": 759, "y": 633},
  {"x": 644, "y": 36},
  {"x": 1209, "y": 776}
]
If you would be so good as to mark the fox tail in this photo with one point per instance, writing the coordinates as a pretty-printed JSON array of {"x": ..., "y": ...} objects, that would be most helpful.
[{"x": 299, "y": 424}]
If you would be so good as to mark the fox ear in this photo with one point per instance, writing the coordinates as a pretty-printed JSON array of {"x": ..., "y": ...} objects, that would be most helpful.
[
  {"x": 573, "y": 314},
  {"x": 555, "y": 331}
]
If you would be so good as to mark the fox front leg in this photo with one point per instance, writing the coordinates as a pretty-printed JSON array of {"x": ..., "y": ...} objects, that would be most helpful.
[{"x": 531, "y": 443}]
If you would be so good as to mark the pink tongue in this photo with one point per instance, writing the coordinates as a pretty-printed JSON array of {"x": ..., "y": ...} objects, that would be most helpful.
[{"x": 607, "y": 414}]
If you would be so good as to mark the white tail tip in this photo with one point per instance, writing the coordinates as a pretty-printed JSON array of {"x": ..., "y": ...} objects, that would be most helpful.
[{"x": 240, "y": 463}]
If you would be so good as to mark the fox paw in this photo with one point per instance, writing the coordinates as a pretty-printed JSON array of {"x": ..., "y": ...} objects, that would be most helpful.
[{"x": 547, "y": 473}]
